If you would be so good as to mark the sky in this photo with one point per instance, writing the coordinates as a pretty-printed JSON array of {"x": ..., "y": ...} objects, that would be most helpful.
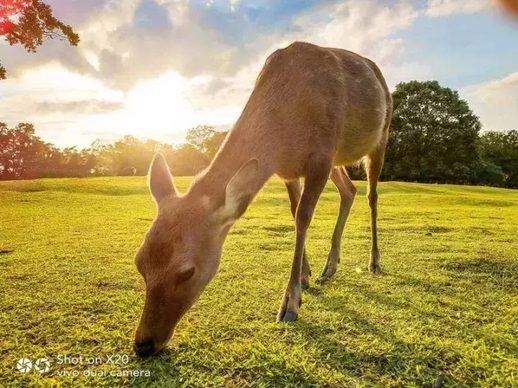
[{"x": 155, "y": 68}]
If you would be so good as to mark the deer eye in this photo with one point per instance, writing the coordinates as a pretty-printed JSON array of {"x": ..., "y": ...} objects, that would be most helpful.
[{"x": 184, "y": 275}]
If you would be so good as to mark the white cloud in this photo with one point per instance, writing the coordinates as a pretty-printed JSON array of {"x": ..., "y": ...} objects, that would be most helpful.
[
  {"x": 368, "y": 28},
  {"x": 82, "y": 108},
  {"x": 495, "y": 102},
  {"x": 211, "y": 41},
  {"x": 160, "y": 81},
  {"x": 234, "y": 4},
  {"x": 438, "y": 8},
  {"x": 358, "y": 25},
  {"x": 119, "y": 51},
  {"x": 23, "y": 97}
]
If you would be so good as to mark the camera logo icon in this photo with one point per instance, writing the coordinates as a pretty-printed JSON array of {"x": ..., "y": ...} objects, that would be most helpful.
[
  {"x": 24, "y": 365},
  {"x": 42, "y": 365}
]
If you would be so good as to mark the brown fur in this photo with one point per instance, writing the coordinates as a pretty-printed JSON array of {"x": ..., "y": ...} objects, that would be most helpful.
[{"x": 312, "y": 108}]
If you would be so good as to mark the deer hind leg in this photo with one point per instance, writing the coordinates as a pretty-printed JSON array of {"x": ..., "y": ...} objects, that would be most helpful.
[
  {"x": 317, "y": 174},
  {"x": 373, "y": 166},
  {"x": 347, "y": 192},
  {"x": 294, "y": 194}
]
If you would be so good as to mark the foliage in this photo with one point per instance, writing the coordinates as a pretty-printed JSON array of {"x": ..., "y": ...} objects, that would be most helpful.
[
  {"x": 128, "y": 156},
  {"x": 205, "y": 139},
  {"x": 433, "y": 136},
  {"x": 23, "y": 155},
  {"x": 501, "y": 149},
  {"x": 29, "y": 23},
  {"x": 199, "y": 136},
  {"x": 214, "y": 143},
  {"x": 488, "y": 173},
  {"x": 445, "y": 309},
  {"x": 187, "y": 160},
  {"x": 19, "y": 150}
]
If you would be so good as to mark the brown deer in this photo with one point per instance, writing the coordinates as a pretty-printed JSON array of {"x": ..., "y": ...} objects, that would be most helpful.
[{"x": 313, "y": 110}]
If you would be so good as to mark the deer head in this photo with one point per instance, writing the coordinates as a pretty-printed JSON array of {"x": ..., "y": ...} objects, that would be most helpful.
[{"x": 181, "y": 251}]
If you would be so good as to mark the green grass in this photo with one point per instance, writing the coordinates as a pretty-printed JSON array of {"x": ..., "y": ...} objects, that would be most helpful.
[{"x": 446, "y": 307}]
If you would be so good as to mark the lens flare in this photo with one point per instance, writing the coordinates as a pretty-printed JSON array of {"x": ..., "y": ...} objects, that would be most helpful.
[{"x": 509, "y": 6}]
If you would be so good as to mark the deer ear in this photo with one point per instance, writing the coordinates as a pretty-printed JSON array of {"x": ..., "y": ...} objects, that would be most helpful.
[
  {"x": 241, "y": 190},
  {"x": 160, "y": 181}
]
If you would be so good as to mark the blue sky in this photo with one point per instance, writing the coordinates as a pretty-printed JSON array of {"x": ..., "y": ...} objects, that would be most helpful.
[
  {"x": 464, "y": 49},
  {"x": 154, "y": 68}
]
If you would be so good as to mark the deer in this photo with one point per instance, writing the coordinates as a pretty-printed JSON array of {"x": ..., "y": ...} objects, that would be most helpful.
[{"x": 313, "y": 111}]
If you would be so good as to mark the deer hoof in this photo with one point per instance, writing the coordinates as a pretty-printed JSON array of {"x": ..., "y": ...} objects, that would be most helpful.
[
  {"x": 287, "y": 316},
  {"x": 375, "y": 269},
  {"x": 304, "y": 283},
  {"x": 322, "y": 279},
  {"x": 327, "y": 273}
]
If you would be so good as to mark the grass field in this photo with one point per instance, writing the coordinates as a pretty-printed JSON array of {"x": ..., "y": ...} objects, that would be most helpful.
[{"x": 445, "y": 311}]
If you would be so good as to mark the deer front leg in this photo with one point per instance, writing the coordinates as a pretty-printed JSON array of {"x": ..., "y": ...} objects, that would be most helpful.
[{"x": 316, "y": 178}]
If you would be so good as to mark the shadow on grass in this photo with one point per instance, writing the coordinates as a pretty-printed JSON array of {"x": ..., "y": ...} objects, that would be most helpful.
[
  {"x": 394, "y": 359},
  {"x": 431, "y": 363},
  {"x": 167, "y": 370},
  {"x": 414, "y": 355},
  {"x": 485, "y": 269},
  {"x": 162, "y": 367}
]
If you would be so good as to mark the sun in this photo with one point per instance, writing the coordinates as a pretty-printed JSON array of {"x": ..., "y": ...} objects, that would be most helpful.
[{"x": 159, "y": 105}]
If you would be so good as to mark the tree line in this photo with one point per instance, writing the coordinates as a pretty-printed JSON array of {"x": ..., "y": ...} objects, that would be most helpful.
[{"x": 434, "y": 137}]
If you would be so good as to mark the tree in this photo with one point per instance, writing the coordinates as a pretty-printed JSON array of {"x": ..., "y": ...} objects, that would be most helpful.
[
  {"x": 187, "y": 160},
  {"x": 200, "y": 136},
  {"x": 433, "y": 136},
  {"x": 213, "y": 144},
  {"x": 501, "y": 149},
  {"x": 29, "y": 23},
  {"x": 206, "y": 139},
  {"x": 22, "y": 153}
]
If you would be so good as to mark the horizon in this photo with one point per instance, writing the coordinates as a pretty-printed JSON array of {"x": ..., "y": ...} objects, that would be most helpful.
[{"x": 206, "y": 55}]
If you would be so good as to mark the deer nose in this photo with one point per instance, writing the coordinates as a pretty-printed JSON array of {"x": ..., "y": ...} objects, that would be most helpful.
[{"x": 144, "y": 349}]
